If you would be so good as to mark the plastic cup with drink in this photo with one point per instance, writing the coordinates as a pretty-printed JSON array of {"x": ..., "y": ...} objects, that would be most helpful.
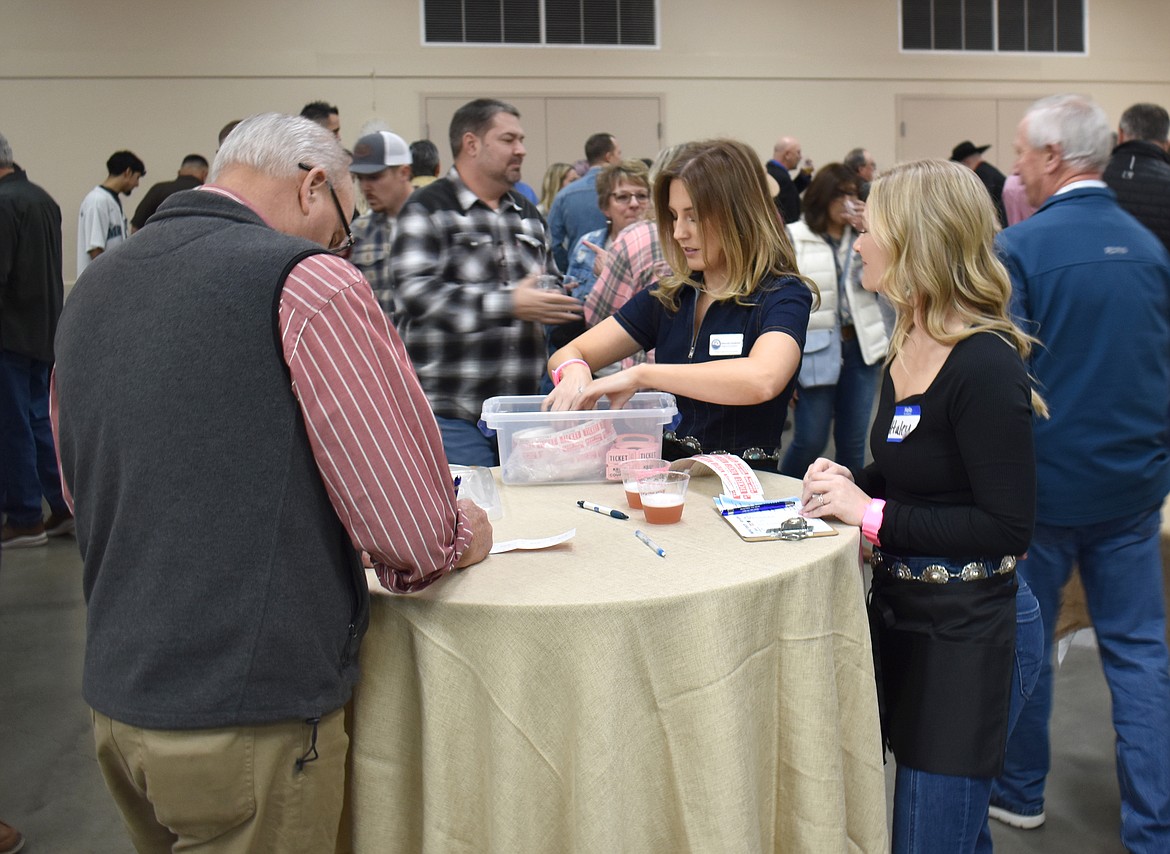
[
  {"x": 663, "y": 495},
  {"x": 634, "y": 470}
]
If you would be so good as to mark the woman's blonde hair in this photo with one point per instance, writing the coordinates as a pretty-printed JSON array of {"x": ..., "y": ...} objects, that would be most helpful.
[
  {"x": 729, "y": 193},
  {"x": 553, "y": 177},
  {"x": 936, "y": 223}
]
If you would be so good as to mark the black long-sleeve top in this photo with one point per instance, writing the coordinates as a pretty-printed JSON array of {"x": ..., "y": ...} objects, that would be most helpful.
[{"x": 963, "y": 482}]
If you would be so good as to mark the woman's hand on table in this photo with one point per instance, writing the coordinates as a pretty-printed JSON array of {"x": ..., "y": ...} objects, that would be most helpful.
[{"x": 829, "y": 490}]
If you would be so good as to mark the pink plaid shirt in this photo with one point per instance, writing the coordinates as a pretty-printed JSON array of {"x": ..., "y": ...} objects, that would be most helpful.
[{"x": 635, "y": 263}]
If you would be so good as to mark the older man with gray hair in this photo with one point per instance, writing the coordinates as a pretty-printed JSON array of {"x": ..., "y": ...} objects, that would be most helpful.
[
  {"x": 236, "y": 422},
  {"x": 1094, "y": 286}
]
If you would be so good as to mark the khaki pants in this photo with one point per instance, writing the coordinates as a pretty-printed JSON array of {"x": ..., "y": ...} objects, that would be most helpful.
[{"x": 235, "y": 790}]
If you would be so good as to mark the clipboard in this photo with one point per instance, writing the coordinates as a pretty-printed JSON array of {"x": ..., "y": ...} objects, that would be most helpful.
[{"x": 761, "y": 525}]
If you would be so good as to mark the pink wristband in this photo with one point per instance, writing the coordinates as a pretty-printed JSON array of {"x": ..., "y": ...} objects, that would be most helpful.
[
  {"x": 871, "y": 522},
  {"x": 556, "y": 374}
]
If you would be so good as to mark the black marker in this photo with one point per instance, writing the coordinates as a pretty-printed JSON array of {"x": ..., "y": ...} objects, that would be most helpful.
[{"x": 604, "y": 511}]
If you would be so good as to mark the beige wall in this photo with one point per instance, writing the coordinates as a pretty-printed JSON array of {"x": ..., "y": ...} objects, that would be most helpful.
[{"x": 79, "y": 80}]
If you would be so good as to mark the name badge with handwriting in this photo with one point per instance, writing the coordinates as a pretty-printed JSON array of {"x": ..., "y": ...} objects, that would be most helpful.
[
  {"x": 905, "y": 419},
  {"x": 728, "y": 344}
]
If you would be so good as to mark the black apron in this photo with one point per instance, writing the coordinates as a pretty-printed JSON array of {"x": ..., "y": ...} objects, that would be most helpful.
[{"x": 944, "y": 655}]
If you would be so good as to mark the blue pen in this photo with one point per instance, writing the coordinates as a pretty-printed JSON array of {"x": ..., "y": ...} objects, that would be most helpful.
[
  {"x": 604, "y": 511},
  {"x": 757, "y": 508},
  {"x": 650, "y": 544}
]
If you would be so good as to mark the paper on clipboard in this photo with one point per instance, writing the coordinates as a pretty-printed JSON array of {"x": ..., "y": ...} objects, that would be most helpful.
[{"x": 761, "y": 525}]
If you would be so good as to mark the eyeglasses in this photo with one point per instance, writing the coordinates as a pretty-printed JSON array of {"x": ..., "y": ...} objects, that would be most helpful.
[
  {"x": 349, "y": 241},
  {"x": 626, "y": 198}
]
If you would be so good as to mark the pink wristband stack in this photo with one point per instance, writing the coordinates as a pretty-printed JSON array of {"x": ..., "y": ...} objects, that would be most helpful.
[
  {"x": 871, "y": 522},
  {"x": 556, "y": 373}
]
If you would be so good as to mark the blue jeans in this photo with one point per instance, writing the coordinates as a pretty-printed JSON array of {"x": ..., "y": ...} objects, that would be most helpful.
[
  {"x": 28, "y": 457},
  {"x": 1121, "y": 567},
  {"x": 846, "y": 405},
  {"x": 465, "y": 444},
  {"x": 942, "y": 813}
]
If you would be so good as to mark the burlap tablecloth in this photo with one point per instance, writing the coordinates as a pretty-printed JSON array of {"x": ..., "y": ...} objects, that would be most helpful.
[{"x": 596, "y": 697}]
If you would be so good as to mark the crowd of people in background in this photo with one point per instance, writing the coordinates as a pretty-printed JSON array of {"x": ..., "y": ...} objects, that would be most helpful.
[{"x": 943, "y": 292}]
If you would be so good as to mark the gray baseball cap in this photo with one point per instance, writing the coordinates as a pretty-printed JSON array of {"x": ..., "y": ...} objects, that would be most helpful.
[{"x": 377, "y": 151}]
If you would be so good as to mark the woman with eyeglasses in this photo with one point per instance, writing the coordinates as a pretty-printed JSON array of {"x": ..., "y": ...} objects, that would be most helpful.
[
  {"x": 623, "y": 194},
  {"x": 846, "y": 335},
  {"x": 727, "y": 324},
  {"x": 948, "y": 503}
]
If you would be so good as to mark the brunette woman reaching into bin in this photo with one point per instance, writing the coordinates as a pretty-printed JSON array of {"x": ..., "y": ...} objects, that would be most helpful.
[
  {"x": 727, "y": 325},
  {"x": 948, "y": 503}
]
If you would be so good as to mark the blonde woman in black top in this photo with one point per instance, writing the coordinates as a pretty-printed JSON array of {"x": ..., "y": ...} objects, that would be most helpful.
[{"x": 948, "y": 503}]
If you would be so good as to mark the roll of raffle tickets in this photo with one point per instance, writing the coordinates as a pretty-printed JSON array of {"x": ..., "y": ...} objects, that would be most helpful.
[
  {"x": 630, "y": 446},
  {"x": 589, "y": 451}
]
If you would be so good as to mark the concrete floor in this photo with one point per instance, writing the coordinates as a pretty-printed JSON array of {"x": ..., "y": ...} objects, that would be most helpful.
[{"x": 51, "y": 789}]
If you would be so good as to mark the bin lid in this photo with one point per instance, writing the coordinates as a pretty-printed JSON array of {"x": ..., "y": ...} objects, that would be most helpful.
[{"x": 657, "y": 406}]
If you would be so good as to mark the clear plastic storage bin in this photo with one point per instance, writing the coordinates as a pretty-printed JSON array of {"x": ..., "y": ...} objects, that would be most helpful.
[{"x": 575, "y": 447}]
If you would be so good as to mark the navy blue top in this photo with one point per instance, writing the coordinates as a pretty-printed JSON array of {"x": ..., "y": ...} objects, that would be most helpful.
[{"x": 778, "y": 305}]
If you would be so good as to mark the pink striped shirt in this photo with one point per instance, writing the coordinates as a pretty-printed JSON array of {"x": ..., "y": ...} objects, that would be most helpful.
[
  {"x": 371, "y": 429},
  {"x": 372, "y": 432}
]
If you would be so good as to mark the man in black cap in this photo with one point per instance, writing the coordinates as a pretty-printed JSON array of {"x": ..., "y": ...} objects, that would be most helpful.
[
  {"x": 971, "y": 156},
  {"x": 381, "y": 164}
]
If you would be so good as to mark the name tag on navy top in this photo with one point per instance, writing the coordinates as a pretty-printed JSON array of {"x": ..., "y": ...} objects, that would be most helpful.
[
  {"x": 905, "y": 419},
  {"x": 727, "y": 344}
]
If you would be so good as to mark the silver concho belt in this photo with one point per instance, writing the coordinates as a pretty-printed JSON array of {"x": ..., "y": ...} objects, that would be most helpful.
[{"x": 934, "y": 573}]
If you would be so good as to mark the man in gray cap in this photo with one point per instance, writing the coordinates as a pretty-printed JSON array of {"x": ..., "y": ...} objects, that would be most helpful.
[
  {"x": 381, "y": 163},
  {"x": 971, "y": 156}
]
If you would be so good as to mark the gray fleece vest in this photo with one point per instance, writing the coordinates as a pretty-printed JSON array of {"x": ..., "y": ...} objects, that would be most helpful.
[{"x": 222, "y": 589}]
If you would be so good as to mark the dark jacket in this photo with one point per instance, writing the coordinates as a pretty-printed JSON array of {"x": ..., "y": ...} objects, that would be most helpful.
[
  {"x": 993, "y": 180},
  {"x": 788, "y": 199},
  {"x": 158, "y": 194},
  {"x": 31, "y": 288},
  {"x": 1139, "y": 173}
]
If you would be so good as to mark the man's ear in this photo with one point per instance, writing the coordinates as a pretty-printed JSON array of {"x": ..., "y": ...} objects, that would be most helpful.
[
  {"x": 1053, "y": 157},
  {"x": 471, "y": 143},
  {"x": 312, "y": 182}
]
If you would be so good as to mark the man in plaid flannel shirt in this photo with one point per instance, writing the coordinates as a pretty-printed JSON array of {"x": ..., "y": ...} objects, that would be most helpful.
[{"x": 465, "y": 263}]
